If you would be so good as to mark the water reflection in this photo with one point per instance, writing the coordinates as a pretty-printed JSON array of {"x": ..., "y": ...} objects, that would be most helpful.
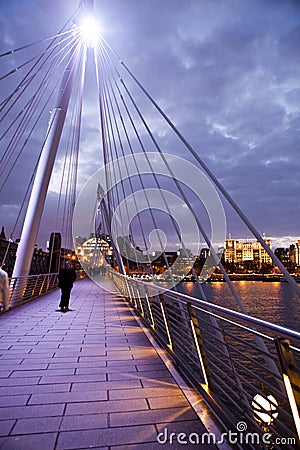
[{"x": 272, "y": 301}]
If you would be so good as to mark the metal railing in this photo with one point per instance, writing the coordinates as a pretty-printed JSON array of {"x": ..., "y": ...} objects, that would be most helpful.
[
  {"x": 245, "y": 368},
  {"x": 23, "y": 289}
]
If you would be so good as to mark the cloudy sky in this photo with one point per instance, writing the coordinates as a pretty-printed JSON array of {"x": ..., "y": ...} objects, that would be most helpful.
[{"x": 227, "y": 73}]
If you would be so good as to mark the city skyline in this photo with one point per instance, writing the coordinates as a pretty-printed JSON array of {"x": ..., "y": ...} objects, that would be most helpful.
[
  {"x": 231, "y": 86},
  {"x": 284, "y": 242}
]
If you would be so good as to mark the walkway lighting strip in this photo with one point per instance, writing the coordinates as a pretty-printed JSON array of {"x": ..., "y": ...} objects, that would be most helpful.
[
  {"x": 150, "y": 311},
  {"x": 133, "y": 297},
  {"x": 170, "y": 345},
  {"x": 199, "y": 353},
  {"x": 292, "y": 402},
  {"x": 140, "y": 302}
]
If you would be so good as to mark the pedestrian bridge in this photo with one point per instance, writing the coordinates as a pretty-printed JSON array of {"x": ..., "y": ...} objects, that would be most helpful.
[
  {"x": 133, "y": 367},
  {"x": 89, "y": 378}
]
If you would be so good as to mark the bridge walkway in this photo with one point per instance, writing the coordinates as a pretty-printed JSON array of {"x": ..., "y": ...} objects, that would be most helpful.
[{"x": 88, "y": 378}]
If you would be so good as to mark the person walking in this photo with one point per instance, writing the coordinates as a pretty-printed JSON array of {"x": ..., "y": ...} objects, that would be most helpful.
[
  {"x": 66, "y": 278},
  {"x": 4, "y": 289}
]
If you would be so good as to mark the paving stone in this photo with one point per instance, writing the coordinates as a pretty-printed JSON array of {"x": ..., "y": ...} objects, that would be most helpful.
[
  {"x": 173, "y": 401},
  {"x": 40, "y": 373},
  {"x": 80, "y": 365},
  {"x": 110, "y": 436},
  {"x": 44, "y": 441},
  {"x": 154, "y": 374},
  {"x": 5, "y": 373},
  {"x": 106, "y": 406},
  {"x": 18, "y": 412},
  {"x": 35, "y": 389},
  {"x": 19, "y": 381},
  {"x": 167, "y": 415},
  {"x": 127, "y": 385},
  {"x": 91, "y": 370},
  {"x": 82, "y": 395},
  {"x": 152, "y": 382},
  {"x": 162, "y": 391},
  {"x": 29, "y": 365},
  {"x": 93, "y": 351},
  {"x": 87, "y": 422},
  {"x": 6, "y": 426},
  {"x": 13, "y": 400},
  {"x": 37, "y": 425},
  {"x": 59, "y": 359},
  {"x": 122, "y": 376},
  {"x": 72, "y": 378}
]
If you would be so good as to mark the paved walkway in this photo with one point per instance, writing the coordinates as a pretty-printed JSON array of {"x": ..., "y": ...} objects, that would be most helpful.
[{"x": 88, "y": 378}]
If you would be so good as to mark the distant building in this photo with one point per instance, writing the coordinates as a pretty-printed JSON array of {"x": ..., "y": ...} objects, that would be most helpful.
[
  {"x": 283, "y": 254},
  {"x": 92, "y": 251},
  {"x": 237, "y": 251},
  {"x": 294, "y": 253},
  {"x": 184, "y": 262},
  {"x": 2, "y": 234},
  {"x": 204, "y": 254}
]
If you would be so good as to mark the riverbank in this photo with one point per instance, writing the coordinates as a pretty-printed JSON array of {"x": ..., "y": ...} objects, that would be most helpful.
[{"x": 251, "y": 277}]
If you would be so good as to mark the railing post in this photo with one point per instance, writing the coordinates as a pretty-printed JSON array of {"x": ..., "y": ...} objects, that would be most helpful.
[
  {"x": 140, "y": 302},
  {"x": 35, "y": 286},
  {"x": 12, "y": 285},
  {"x": 41, "y": 290},
  {"x": 198, "y": 343},
  {"x": 132, "y": 296},
  {"x": 153, "y": 326},
  {"x": 166, "y": 321}
]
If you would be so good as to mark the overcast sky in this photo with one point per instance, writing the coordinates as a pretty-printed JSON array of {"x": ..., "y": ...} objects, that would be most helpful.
[{"x": 226, "y": 72}]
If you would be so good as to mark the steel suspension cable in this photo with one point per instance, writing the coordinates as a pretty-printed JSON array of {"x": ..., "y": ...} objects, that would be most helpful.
[
  {"x": 234, "y": 205},
  {"x": 233, "y": 291},
  {"x": 71, "y": 159},
  {"x": 132, "y": 152},
  {"x": 27, "y": 81},
  {"x": 20, "y": 85},
  {"x": 193, "y": 152},
  {"x": 110, "y": 125},
  {"x": 112, "y": 100},
  {"x": 32, "y": 107}
]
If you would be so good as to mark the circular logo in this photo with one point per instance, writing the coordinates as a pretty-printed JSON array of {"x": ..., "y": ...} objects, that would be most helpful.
[
  {"x": 241, "y": 426},
  {"x": 109, "y": 205}
]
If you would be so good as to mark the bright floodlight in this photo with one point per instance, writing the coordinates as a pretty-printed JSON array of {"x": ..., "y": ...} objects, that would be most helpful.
[{"x": 90, "y": 32}]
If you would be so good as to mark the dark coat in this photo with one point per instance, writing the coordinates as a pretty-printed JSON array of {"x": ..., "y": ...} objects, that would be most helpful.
[{"x": 66, "y": 278}]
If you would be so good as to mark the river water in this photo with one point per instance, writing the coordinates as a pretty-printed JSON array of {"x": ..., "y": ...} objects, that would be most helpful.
[{"x": 271, "y": 301}]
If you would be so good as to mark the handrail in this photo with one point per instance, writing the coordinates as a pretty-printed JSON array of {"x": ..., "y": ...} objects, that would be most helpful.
[
  {"x": 219, "y": 352},
  {"x": 23, "y": 289},
  {"x": 250, "y": 320}
]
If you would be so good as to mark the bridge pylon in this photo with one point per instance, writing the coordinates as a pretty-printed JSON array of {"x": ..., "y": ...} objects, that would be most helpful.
[{"x": 42, "y": 177}]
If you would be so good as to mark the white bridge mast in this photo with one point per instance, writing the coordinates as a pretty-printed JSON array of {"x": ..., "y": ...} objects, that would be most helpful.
[{"x": 43, "y": 173}]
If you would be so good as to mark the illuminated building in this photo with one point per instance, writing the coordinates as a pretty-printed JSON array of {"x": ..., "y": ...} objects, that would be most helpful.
[
  {"x": 237, "y": 251},
  {"x": 294, "y": 252}
]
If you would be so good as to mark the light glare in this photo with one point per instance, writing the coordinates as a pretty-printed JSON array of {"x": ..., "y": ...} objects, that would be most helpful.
[{"x": 90, "y": 32}]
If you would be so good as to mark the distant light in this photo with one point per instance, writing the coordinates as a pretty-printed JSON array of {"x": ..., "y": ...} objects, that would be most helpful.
[
  {"x": 90, "y": 32},
  {"x": 265, "y": 408}
]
